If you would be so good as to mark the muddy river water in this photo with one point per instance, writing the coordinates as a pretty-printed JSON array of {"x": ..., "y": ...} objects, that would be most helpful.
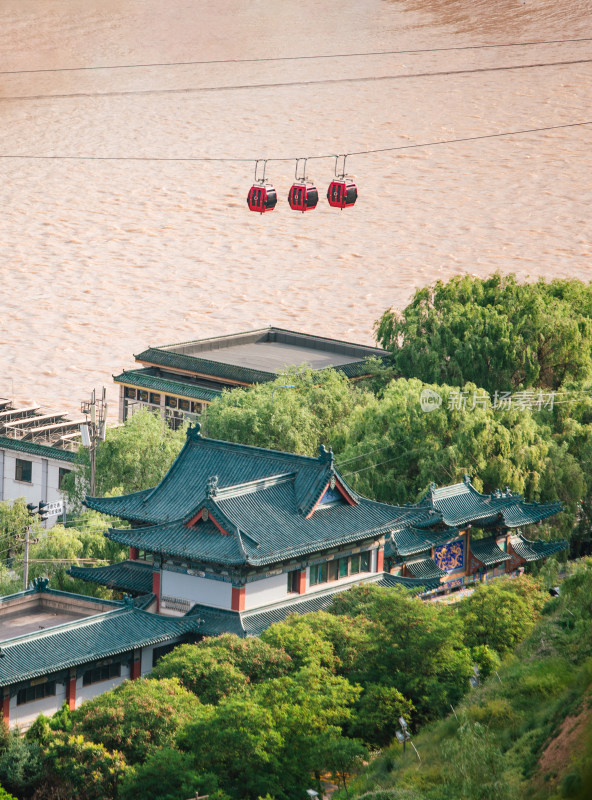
[{"x": 101, "y": 258}]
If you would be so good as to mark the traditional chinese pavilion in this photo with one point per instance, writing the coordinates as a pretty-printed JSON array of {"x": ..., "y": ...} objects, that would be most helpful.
[{"x": 241, "y": 536}]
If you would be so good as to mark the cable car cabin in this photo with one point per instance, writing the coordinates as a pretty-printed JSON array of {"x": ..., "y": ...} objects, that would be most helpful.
[
  {"x": 303, "y": 197},
  {"x": 342, "y": 193},
  {"x": 261, "y": 198}
]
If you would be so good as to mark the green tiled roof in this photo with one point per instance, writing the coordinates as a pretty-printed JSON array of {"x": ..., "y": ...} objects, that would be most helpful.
[
  {"x": 410, "y": 541},
  {"x": 461, "y": 504},
  {"x": 215, "y": 621},
  {"x": 426, "y": 568},
  {"x": 102, "y": 636},
  {"x": 488, "y": 551},
  {"x": 33, "y": 449},
  {"x": 535, "y": 550},
  {"x": 204, "y": 366},
  {"x": 127, "y": 576},
  {"x": 146, "y": 380}
]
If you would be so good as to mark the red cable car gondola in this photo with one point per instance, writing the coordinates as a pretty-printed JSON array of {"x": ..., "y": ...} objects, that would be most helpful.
[
  {"x": 262, "y": 196},
  {"x": 342, "y": 192},
  {"x": 303, "y": 195}
]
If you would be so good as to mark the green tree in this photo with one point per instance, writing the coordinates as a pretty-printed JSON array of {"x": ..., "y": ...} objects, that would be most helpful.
[
  {"x": 297, "y": 412},
  {"x": 254, "y": 657},
  {"x": 136, "y": 717},
  {"x": 168, "y": 774},
  {"x": 344, "y": 758},
  {"x": 237, "y": 740},
  {"x": 84, "y": 769},
  {"x": 500, "y": 614},
  {"x": 377, "y": 712},
  {"x": 494, "y": 332},
  {"x": 415, "y": 647},
  {"x": 20, "y": 762},
  {"x": 134, "y": 456},
  {"x": 201, "y": 671}
]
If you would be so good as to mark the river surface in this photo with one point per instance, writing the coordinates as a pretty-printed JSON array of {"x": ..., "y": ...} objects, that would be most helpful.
[{"x": 100, "y": 259}]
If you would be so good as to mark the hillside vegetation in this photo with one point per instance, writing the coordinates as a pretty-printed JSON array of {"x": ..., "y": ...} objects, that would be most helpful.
[{"x": 525, "y": 732}]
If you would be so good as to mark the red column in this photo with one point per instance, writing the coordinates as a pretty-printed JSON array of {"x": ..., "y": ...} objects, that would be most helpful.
[
  {"x": 156, "y": 588},
  {"x": 136, "y": 665},
  {"x": 134, "y": 553},
  {"x": 71, "y": 691},
  {"x": 238, "y": 598},
  {"x": 380, "y": 559},
  {"x": 6, "y": 707},
  {"x": 302, "y": 581}
]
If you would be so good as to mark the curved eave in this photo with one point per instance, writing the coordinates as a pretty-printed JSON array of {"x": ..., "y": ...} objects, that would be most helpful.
[{"x": 132, "y": 538}]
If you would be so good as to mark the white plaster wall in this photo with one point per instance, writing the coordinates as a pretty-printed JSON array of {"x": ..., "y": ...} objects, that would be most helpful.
[
  {"x": 24, "y": 715},
  {"x": 88, "y": 692},
  {"x": 33, "y": 492},
  {"x": 146, "y": 665},
  {"x": 266, "y": 591},
  {"x": 196, "y": 589}
]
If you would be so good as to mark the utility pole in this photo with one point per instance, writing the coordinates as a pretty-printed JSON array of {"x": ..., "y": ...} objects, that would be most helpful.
[
  {"x": 32, "y": 509},
  {"x": 93, "y": 431}
]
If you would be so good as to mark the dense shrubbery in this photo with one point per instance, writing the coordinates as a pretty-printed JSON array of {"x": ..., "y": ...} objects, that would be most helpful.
[{"x": 247, "y": 718}]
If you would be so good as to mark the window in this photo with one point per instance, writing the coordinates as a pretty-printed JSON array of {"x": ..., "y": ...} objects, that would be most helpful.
[
  {"x": 333, "y": 570},
  {"x": 354, "y": 565},
  {"x": 343, "y": 567},
  {"x": 24, "y": 470},
  {"x": 143, "y": 555},
  {"x": 318, "y": 574},
  {"x": 99, "y": 674},
  {"x": 365, "y": 561},
  {"x": 129, "y": 392},
  {"x": 293, "y": 582},
  {"x": 154, "y": 398},
  {"x": 171, "y": 402},
  {"x": 143, "y": 395},
  {"x": 184, "y": 405},
  {"x": 197, "y": 408},
  {"x": 61, "y": 475},
  {"x": 38, "y": 692}
]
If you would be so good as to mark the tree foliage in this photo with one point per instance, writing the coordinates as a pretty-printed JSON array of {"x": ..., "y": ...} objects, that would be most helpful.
[
  {"x": 494, "y": 332},
  {"x": 137, "y": 717},
  {"x": 297, "y": 412},
  {"x": 134, "y": 456}
]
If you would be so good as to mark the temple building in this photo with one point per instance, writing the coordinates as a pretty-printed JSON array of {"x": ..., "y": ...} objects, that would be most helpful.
[
  {"x": 241, "y": 536},
  {"x": 181, "y": 380},
  {"x": 58, "y": 647},
  {"x": 233, "y": 539}
]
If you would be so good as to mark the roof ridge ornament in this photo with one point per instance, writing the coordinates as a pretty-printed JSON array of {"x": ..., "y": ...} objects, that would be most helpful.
[
  {"x": 325, "y": 455},
  {"x": 194, "y": 431},
  {"x": 467, "y": 479},
  {"x": 212, "y": 486},
  {"x": 40, "y": 584}
]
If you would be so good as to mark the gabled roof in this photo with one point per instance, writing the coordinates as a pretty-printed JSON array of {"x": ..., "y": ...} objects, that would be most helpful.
[
  {"x": 184, "y": 487},
  {"x": 534, "y": 550},
  {"x": 102, "y": 636},
  {"x": 461, "y": 504},
  {"x": 126, "y": 576},
  {"x": 488, "y": 551},
  {"x": 264, "y": 526}
]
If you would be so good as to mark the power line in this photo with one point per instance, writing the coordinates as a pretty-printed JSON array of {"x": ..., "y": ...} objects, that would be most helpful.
[
  {"x": 292, "y": 58},
  {"x": 294, "y": 158},
  {"x": 284, "y": 84}
]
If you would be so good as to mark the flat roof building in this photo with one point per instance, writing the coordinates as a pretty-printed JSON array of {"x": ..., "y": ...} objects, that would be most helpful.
[{"x": 181, "y": 379}]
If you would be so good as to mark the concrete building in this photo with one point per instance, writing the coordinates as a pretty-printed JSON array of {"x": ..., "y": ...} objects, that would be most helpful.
[
  {"x": 35, "y": 472},
  {"x": 182, "y": 379}
]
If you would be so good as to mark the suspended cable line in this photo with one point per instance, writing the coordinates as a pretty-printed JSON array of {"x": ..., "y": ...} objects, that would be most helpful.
[
  {"x": 273, "y": 59},
  {"x": 286, "y": 84},
  {"x": 294, "y": 158}
]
